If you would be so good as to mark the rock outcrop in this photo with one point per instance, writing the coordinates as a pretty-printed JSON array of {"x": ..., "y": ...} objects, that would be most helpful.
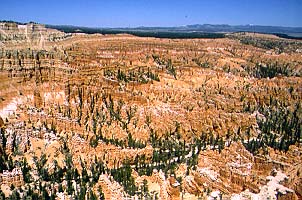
[
  {"x": 31, "y": 34},
  {"x": 194, "y": 118}
]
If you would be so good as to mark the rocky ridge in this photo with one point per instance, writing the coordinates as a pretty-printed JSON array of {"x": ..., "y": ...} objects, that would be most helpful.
[{"x": 193, "y": 118}]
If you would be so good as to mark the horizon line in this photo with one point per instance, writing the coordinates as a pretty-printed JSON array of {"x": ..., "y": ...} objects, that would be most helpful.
[{"x": 144, "y": 26}]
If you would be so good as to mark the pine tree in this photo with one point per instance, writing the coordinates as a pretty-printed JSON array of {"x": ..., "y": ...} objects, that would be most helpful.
[
  {"x": 25, "y": 170},
  {"x": 101, "y": 194}
]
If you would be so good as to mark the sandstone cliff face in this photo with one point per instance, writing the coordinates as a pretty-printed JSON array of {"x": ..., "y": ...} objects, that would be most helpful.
[
  {"x": 28, "y": 34},
  {"x": 18, "y": 60}
]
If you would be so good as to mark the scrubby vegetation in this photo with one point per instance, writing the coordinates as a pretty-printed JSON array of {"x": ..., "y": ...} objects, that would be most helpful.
[{"x": 117, "y": 116}]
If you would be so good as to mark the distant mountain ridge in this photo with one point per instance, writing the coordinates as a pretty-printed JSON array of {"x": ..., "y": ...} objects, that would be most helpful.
[
  {"x": 228, "y": 28},
  {"x": 199, "y": 28},
  {"x": 186, "y": 31},
  {"x": 245, "y": 28}
]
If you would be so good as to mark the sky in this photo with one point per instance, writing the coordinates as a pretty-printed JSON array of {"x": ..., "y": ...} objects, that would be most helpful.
[{"x": 134, "y": 13}]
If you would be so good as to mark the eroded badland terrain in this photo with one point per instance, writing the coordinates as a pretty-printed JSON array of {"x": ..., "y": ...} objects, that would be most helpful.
[{"x": 121, "y": 117}]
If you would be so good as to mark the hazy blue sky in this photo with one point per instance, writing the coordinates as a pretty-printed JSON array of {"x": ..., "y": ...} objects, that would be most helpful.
[{"x": 124, "y": 13}]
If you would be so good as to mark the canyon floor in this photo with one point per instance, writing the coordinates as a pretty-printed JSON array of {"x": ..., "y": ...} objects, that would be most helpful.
[{"x": 90, "y": 116}]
